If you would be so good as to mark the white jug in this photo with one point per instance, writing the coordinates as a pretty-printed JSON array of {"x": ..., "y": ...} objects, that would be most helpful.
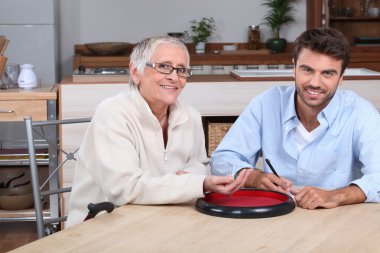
[{"x": 27, "y": 78}]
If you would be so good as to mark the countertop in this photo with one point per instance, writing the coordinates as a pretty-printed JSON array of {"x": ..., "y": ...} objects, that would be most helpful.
[
  {"x": 229, "y": 78},
  {"x": 361, "y": 57},
  {"x": 45, "y": 92}
]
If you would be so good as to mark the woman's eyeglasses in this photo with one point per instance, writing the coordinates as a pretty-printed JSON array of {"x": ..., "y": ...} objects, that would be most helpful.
[{"x": 168, "y": 69}]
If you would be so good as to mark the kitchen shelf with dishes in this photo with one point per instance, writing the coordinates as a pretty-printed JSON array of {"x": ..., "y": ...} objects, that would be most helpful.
[
  {"x": 358, "y": 18},
  {"x": 352, "y": 17},
  {"x": 214, "y": 56},
  {"x": 358, "y": 26},
  {"x": 363, "y": 56},
  {"x": 16, "y": 153},
  {"x": 21, "y": 214},
  {"x": 16, "y": 197}
]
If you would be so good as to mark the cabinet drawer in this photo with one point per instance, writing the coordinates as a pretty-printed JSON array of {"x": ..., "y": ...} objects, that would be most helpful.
[{"x": 17, "y": 110}]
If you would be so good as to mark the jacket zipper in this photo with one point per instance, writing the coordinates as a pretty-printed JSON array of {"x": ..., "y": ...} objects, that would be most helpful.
[{"x": 165, "y": 157}]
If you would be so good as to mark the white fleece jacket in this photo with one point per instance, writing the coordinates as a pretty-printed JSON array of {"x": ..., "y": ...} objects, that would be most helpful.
[{"x": 123, "y": 158}]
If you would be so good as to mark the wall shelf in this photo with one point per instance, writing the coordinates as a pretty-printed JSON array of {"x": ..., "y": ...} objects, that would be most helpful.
[
  {"x": 320, "y": 14},
  {"x": 20, "y": 215},
  {"x": 354, "y": 19}
]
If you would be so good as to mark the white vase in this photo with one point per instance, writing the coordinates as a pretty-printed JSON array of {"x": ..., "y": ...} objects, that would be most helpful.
[
  {"x": 27, "y": 78},
  {"x": 200, "y": 47}
]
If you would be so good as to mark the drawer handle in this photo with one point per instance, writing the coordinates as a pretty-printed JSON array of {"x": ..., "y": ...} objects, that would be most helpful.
[{"x": 6, "y": 111}]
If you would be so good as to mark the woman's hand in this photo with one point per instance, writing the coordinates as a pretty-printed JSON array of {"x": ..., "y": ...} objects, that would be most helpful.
[{"x": 224, "y": 184}]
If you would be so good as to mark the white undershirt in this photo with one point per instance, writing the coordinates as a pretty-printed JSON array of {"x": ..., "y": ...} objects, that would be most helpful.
[{"x": 304, "y": 137}]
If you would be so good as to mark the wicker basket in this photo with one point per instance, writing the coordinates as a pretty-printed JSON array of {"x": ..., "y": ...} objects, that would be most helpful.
[{"x": 216, "y": 132}]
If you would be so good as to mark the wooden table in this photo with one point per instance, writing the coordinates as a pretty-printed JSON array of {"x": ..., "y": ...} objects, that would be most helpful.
[{"x": 180, "y": 228}]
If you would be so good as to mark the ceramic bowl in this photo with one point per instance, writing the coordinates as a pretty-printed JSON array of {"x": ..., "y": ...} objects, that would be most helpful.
[
  {"x": 177, "y": 35},
  {"x": 373, "y": 12},
  {"x": 109, "y": 48},
  {"x": 16, "y": 202},
  {"x": 15, "y": 198},
  {"x": 230, "y": 47}
]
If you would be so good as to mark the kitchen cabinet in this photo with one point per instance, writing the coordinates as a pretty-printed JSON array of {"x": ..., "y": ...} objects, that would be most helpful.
[
  {"x": 15, "y": 104},
  {"x": 357, "y": 27},
  {"x": 354, "y": 27},
  {"x": 320, "y": 13},
  {"x": 345, "y": 15}
]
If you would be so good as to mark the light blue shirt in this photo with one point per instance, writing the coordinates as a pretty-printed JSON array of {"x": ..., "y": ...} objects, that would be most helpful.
[{"x": 346, "y": 152}]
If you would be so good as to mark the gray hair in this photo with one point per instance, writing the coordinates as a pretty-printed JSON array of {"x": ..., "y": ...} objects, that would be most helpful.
[{"x": 144, "y": 50}]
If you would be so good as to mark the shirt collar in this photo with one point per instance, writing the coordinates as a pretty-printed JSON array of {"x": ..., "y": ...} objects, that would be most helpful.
[
  {"x": 330, "y": 112},
  {"x": 289, "y": 111}
]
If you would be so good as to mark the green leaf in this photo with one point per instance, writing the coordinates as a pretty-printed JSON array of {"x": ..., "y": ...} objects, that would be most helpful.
[
  {"x": 201, "y": 30},
  {"x": 280, "y": 12}
]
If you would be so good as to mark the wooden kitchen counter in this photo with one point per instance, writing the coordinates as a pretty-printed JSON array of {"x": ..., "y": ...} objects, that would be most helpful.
[
  {"x": 362, "y": 57},
  {"x": 225, "y": 78},
  {"x": 194, "y": 78},
  {"x": 180, "y": 228},
  {"x": 84, "y": 57},
  {"x": 15, "y": 104},
  {"x": 196, "y": 60},
  {"x": 45, "y": 92}
]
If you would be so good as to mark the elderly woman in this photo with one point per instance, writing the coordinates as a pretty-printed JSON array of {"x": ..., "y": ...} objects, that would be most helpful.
[{"x": 143, "y": 146}]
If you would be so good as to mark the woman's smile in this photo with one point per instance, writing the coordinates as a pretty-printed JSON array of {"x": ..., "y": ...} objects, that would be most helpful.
[{"x": 169, "y": 87}]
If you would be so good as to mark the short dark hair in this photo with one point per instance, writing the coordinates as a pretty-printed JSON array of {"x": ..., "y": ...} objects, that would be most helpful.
[{"x": 327, "y": 41}]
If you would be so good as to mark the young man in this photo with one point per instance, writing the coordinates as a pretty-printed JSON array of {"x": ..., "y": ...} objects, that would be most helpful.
[{"x": 323, "y": 142}]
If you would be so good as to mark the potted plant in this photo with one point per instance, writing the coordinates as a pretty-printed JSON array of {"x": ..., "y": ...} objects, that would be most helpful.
[
  {"x": 200, "y": 31},
  {"x": 280, "y": 13}
]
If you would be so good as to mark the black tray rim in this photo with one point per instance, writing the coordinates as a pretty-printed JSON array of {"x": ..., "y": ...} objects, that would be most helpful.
[{"x": 202, "y": 206}]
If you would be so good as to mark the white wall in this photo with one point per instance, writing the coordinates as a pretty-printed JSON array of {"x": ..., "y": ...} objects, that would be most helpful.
[{"x": 83, "y": 21}]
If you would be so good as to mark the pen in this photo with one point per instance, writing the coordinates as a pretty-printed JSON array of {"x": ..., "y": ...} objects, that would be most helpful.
[
  {"x": 271, "y": 167},
  {"x": 274, "y": 172}
]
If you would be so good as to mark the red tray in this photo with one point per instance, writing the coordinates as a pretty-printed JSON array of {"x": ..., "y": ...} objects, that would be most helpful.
[{"x": 246, "y": 203}]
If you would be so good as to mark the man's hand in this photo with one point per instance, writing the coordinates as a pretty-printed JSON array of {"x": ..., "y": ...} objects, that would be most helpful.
[
  {"x": 225, "y": 184},
  {"x": 312, "y": 197},
  {"x": 269, "y": 181}
]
